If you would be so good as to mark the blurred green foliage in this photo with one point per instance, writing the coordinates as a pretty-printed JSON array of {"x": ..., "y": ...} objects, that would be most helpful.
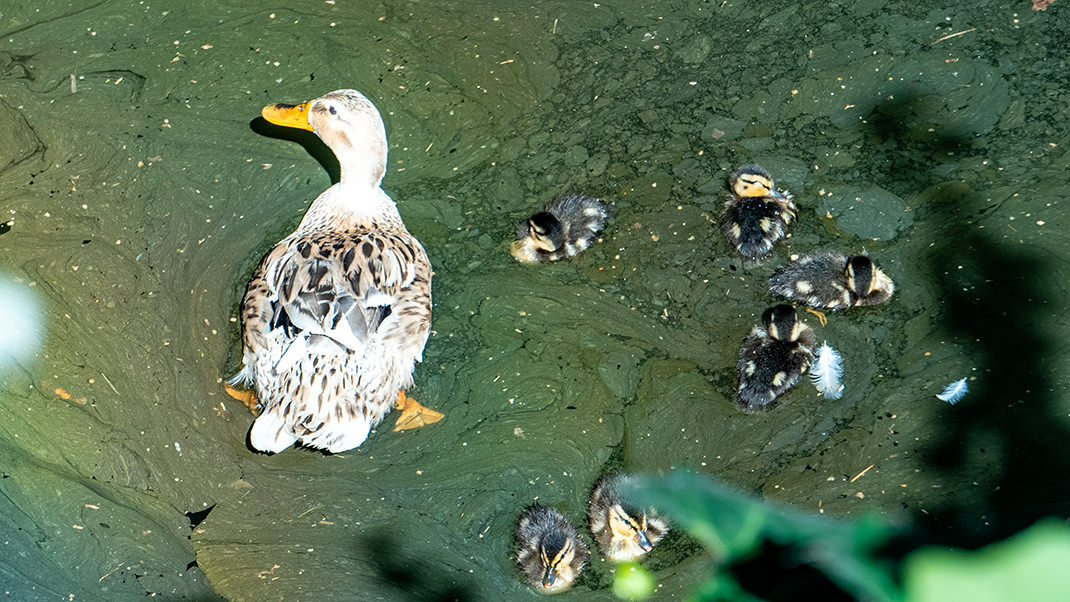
[
  {"x": 632, "y": 582},
  {"x": 1032, "y": 565},
  {"x": 769, "y": 553}
]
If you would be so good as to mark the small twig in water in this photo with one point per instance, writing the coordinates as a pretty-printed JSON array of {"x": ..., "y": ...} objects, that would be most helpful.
[
  {"x": 110, "y": 572},
  {"x": 862, "y": 473},
  {"x": 951, "y": 35},
  {"x": 107, "y": 380}
]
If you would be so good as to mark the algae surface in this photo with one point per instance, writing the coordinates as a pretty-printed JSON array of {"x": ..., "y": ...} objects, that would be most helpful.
[{"x": 138, "y": 194}]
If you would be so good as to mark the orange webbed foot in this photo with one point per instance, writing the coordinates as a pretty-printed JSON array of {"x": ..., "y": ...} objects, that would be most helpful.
[
  {"x": 820, "y": 316},
  {"x": 413, "y": 415},
  {"x": 246, "y": 397}
]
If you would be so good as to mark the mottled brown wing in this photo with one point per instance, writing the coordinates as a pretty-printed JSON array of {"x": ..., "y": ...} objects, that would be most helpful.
[{"x": 343, "y": 285}]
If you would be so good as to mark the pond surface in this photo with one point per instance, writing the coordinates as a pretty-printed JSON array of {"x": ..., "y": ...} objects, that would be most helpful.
[{"x": 137, "y": 194}]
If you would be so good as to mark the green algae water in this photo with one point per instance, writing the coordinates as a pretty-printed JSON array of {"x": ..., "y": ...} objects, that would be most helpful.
[{"x": 138, "y": 192}]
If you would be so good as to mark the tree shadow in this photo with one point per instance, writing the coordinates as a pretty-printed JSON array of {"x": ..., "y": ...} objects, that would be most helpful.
[
  {"x": 1009, "y": 423},
  {"x": 410, "y": 575},
  {"x": 796, "y": 578},
  {"x": 309, "y": 140},
  {"x": 1013, "y": 403},
  {"x": 914, "y": 136}
]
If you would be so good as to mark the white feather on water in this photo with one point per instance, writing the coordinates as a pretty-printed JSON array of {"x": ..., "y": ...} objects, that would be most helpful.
[
  {"x": 827, "y": 372},
  {"x": 954, "y": 392}
]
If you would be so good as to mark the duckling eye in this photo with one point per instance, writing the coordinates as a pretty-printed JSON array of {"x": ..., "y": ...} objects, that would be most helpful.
[{"x": 332, "y": 110}]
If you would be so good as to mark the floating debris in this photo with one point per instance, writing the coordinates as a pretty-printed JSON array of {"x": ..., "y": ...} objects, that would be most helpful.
[
  {"x": 954, "y": 392},
  {"x": 827, "y": 372}
]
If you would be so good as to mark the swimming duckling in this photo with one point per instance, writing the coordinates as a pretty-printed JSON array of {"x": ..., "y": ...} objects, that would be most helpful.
[
  {"x": 562, "y": 229},
  {"x": 623, "y": 532},
  {"x": 833, "y": 281},
  {"x": 549, "y": 550},
  {"x": 774, "y": 355},
  {"x": 756, "y": 214}
]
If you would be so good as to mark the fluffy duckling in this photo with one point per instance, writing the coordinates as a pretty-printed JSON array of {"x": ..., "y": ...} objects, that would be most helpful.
[
  {"x": 623, "y": 532},
  {"x": 774, "y": 355},
  {"x": 549, "y": 550},
  {"x": 832, "y": 281},
  {"x": 337, "y": 313},
  {"x": 563, "y": 228},
  {"x": 756, "y": 214}
]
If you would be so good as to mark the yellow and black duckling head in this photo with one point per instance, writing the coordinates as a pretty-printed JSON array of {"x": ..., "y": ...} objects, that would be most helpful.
[
  {"x": 774, "y": 356},
  {"x": 756, "y": 214},
  {"x": 867, "y": 282},
  {"x": 545, "y": 231},
  {"x": 782, "y": 323},
  {"x": 754, "y": 181},
  {"x": 832, "y": 281},
  {"x": 563, "y": 228},
  {"x": 623, "y": 532},
  {"x": 550, "y": 553}
]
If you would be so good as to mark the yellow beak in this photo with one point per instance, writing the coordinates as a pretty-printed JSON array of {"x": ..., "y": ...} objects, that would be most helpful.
[{"x": 291, "y": 116}]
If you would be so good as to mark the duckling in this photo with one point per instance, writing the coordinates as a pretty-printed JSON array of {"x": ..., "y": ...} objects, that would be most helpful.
[
  {"x": 774, "y": 355},
  {"x": 832, "y": 281},
  {"x": 756, "y": 214},
  {"x": 550, "y": 552},
  {"x": 623, "y": 532},
  {"x": 563, "y": 228}
]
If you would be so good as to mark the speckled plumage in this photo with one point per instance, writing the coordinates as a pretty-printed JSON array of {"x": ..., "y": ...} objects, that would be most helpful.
[
  {"x": 832, "y": 281},
  {"x": 562, "y": 229},
  {"x": 756, "y": 214},
  {"x": 622, "y": 532},
  {"x": 774, "y": 356},
  {"x": 549, "y": 551},
  {"x": 338, "y": 312}
]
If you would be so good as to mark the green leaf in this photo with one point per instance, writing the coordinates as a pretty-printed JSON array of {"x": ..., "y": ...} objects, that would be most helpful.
[
  {"x": 734, "y": 526},
  {"x": 1031, "y": 565}
]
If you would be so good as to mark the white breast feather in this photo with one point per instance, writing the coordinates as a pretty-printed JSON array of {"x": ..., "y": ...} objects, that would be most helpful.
[
  {"x": 827, "y": 372},
  {"x": 954, "y": 392}
]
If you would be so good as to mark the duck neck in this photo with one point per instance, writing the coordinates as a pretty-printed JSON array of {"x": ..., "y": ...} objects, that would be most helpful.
[
  {"x": 347, "y": 205},
  {"x": 357, "y": 197},
  {"x": 362, "y": 168}
]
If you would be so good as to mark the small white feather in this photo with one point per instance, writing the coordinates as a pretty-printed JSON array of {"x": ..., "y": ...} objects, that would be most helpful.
[
  {"x": 954, "y": 392},
  {"x": 827, "y": 372}
]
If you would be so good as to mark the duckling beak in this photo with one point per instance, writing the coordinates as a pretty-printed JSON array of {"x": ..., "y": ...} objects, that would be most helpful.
[
  {"x": 778, "y": 195},
  {"x": 543, "y": 243},
  {"x": 549, "y": 577},
  {"x": 641, "y": 539},
  {"x": 516, "y": 247},
  {"x": 291, "y": 116}
]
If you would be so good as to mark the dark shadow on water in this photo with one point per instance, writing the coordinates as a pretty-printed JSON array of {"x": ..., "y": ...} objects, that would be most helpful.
[
  {"x": 406, "y": 570},
  {"x": 1012, "y": 404},
  {"x": 309, "y": 140},
  {"x": 795, "y": 578},
  {"x": 915, "y": 137},
  {"x": 1006, "y": 434}
]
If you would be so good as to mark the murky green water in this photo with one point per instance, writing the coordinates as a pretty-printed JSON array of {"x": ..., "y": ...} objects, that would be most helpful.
[{"x": 138, "y": 197}]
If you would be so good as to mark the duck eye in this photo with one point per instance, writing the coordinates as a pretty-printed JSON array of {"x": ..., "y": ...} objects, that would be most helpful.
[{"x": 332, "y": 110}]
